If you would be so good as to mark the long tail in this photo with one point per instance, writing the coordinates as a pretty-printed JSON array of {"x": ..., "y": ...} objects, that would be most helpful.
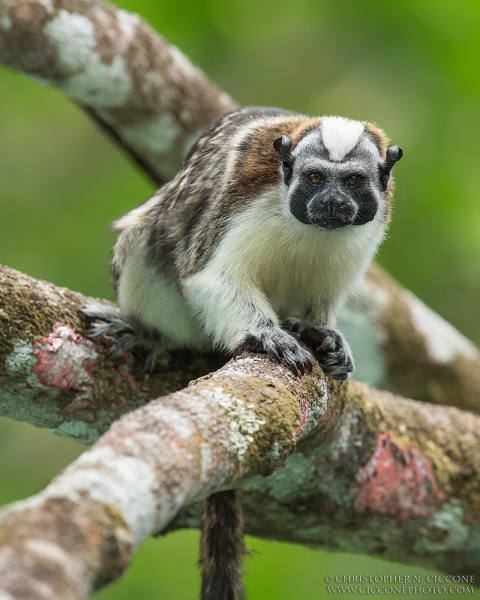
[{"x": 222, "y": 547}]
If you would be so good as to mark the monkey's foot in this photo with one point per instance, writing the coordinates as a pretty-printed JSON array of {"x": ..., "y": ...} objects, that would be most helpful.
[
  {"x": 123, "y": 334},
  {"x": 331, "y": 350},
  {"x": 280, "y": 346}
]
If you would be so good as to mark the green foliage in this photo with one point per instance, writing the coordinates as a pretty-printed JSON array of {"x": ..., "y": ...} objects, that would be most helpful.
[{"x": 410, "y": 66}]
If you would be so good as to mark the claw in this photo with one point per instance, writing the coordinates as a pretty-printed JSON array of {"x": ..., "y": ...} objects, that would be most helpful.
[
  {"x": 293, "y": 366},
  {"x": 278, "y": 345},
  {"x": 275, "y": 355}
]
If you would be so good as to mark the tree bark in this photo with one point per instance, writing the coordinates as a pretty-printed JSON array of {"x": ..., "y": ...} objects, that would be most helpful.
[
  {"x": 380, "y": 474},
  {"x": 139, "y": 88}
]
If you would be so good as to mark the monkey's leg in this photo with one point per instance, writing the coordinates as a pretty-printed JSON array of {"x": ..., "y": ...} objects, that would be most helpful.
[
  {"x": 222, "y": 547},
  {"x": 240, "y": 319},
  {"x": 124, "y": 334},
  {"x": 331, "y": 350}
]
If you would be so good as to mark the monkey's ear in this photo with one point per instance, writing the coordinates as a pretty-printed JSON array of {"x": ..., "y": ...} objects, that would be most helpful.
[
  {"x": 283, "y": 145},
  {"x": 394, "y": 154}
]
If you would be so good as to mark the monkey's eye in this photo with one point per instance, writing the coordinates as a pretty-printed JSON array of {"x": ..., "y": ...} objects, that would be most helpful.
[
  {"x": 315, "y": 178},
  {"x": 352, "y": 181}
]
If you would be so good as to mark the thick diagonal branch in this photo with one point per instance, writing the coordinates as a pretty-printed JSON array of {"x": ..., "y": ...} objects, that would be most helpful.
[
  {"x": 380, "y": 474},
  {"x": 377, "y": 463},
  {"x": 234, "y": 425}
]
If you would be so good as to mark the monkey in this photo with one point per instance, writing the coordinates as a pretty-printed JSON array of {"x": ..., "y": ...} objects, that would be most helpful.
[{"x": 253, "y": 246}]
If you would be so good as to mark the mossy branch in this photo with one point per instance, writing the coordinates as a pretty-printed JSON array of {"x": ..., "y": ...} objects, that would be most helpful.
[
  {"x": 139, "y": 88},
  {"x": 379, "y": 474}
]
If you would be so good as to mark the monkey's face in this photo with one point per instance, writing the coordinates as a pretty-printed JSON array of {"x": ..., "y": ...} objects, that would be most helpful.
[
  {"x": 336, "y": 176},
  {"x": 333, "y": 195}
]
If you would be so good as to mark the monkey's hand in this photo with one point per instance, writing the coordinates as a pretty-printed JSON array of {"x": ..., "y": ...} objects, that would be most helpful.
[
  {"x": 331, "y": 350},
  {"x": 279, "y": 345},
  {"x": 123, "y": 334}
]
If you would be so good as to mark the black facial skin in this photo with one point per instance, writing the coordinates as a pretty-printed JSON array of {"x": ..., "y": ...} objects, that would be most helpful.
[
  {"x": 335, "y": 195},
  {"x": 333, "y": 204}
]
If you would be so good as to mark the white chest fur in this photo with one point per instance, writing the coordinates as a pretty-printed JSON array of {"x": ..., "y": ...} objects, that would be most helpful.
[{"x": 302, "y": 270}]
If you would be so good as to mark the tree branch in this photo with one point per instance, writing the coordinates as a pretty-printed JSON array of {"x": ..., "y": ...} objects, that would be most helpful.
[
  {"x": 143, "y": 91},
  {"x": 380, "y": 474},
  {"x": 41, "y": 326},
  {"x": 402, "y": 345},
  {"x": 52, "y": 376},
  {"x": 228, "y": 428}
]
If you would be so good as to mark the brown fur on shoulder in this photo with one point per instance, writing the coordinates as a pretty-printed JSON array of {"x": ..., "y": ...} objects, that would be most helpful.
[{"x": 257, "y": 165}]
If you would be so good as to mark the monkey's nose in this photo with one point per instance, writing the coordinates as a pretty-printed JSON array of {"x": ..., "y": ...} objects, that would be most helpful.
[{"x": 331, "y": 205}]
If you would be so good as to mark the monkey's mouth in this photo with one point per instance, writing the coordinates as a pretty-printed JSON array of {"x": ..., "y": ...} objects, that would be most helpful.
[
  {"x": 326, "y": 216},
  {"x": 332, "y": 222},
  {"x": 332, "y": 214}
]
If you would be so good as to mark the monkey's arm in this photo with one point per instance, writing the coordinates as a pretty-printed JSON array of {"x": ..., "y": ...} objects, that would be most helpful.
[{"x": 238, "y": 317}]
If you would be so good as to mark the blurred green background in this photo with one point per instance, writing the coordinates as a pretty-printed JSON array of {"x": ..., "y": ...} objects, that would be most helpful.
[{"x": 411, "y": 66}]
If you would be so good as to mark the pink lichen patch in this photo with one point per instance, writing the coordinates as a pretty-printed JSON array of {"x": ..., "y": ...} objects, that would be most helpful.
[
  {"x": 64, "y": 361},
  {"x": 398, "y": 481},
  {"x": 125, "y": 372},
  {"x": 310, "y": 413},
  {"x": 134, "y": 386},
  {"x": 303, "y": 416}
]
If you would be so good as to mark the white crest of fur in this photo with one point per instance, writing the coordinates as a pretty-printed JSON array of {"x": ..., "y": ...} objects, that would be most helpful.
[{"x": 340, "y": 136}]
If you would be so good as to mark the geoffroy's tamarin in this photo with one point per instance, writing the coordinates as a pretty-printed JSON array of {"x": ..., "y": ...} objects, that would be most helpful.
[{"x": 274, "y": 216}]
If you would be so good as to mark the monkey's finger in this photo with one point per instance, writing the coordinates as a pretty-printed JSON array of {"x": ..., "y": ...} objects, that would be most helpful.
[
  {"x": 292, "y": 365},
  {"x": 273, "y": 353},
  {"x": 273, "y": 349},
  {"x": 308, "y": 365}
]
